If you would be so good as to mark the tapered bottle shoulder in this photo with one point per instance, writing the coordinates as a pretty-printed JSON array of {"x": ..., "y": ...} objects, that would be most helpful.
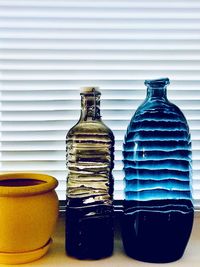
[
  {"x": 96, "y": 127},
  {"x": 157, "y": 111}
]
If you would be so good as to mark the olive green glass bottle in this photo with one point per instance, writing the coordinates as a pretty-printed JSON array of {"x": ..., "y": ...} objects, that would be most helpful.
[{"x": 89, "y": 207}]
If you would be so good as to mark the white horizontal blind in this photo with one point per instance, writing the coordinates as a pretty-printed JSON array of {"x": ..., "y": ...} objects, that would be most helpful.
[{"x": 49, "y": 49}]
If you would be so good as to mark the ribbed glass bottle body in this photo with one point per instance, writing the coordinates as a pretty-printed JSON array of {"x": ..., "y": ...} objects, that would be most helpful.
[
  {"x": 158, "y": 208},
  {"x": 89, "y": 215}
]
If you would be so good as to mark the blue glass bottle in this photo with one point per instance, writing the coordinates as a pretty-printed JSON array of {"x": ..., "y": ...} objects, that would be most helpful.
[{"x": 158, "y": 209}]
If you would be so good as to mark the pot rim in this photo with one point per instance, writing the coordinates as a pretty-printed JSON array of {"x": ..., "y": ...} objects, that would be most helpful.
[{"x": 49, "y": 183}]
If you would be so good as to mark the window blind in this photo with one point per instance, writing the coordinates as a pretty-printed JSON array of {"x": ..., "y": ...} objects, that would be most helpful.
[{"x": 49, "y": 49}]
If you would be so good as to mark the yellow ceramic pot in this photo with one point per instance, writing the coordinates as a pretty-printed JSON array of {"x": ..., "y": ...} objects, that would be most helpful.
[{"x": 28, "y": 214}]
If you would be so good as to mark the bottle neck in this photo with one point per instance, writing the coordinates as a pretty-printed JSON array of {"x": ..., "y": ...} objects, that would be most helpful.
[
  {"x": 157, "y": 89},
  {"x": 158, "y": 93},
  {"x": 90, "y": 107}
]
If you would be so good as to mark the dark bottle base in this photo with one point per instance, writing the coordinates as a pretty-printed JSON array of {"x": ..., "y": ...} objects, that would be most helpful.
[
  {"x": 157, "y": 232},
  {"x": 88, "y": 235},
  {"x": 151, "y": 259}
]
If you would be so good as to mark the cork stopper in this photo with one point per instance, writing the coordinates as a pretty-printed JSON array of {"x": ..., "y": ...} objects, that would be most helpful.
[{"x": 90, "y": 91}]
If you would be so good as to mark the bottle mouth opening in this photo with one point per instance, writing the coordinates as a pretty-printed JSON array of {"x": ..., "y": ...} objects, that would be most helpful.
[{"x": 157, "y": 83}]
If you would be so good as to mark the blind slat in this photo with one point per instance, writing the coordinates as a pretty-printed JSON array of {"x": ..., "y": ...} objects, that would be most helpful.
[
  {"x": 101, "y": 75},
  {"x": 117, "y": 85},
  {"x": 57, "y": 97},
  {"x": 114, "y": 124},
  {"x": 74, "y": 66},
  {"x": 103, "y": 3},
  {"x": 103, "y": 54},
  {"x": 100, "y": 13},
  {"x": 57, "y": 165},
  {"x": 59, "y": 156},
  {"x": 60, "y": 135},
  {"x": 106, "y": 33}
]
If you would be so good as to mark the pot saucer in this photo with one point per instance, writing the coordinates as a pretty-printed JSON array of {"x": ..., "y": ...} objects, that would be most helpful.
[{"x": 24, "y": 257}]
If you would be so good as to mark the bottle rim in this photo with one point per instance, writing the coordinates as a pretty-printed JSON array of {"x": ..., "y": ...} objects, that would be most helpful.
[{"x": 157, "y": 83}]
